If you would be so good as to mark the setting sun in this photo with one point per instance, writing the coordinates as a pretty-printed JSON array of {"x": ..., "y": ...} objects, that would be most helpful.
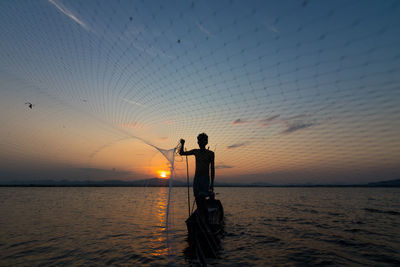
[{"x": 163, "y": 174}]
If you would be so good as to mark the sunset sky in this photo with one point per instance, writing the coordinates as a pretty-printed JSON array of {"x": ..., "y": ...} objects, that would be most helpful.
[{"x": 287, "y": 91}]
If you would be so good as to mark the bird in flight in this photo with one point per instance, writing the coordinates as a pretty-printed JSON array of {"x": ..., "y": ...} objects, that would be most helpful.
[{"x": 29, "y": 104}]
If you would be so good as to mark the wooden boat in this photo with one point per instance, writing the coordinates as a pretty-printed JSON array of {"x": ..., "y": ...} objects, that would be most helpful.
[{"x": 205, "y": 237}]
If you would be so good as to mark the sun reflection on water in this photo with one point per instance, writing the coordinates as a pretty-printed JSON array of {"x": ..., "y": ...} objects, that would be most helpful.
[{"x": 158, "y": 239}]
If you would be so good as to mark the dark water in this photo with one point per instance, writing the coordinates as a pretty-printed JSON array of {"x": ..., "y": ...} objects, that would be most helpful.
[{"x": 265, "y": 226}]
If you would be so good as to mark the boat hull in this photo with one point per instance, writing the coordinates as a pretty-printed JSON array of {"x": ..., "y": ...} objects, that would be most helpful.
[{"x": 205, "y": 237}]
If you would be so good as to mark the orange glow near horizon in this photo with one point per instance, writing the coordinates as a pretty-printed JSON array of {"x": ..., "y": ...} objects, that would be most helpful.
[{"x": 164, "y": 174}]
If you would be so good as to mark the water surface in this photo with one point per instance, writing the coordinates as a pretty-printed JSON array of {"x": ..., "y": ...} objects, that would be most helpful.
[{"x": 264, "y": 226}]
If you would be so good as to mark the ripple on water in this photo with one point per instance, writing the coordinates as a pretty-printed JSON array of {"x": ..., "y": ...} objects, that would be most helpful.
[
  {"x": 390, "y": 212},
  {"x": 268, "y": 240},
  {"x": 383, "y": 258},
  {"x": 345, "y": 233},
  {"x": 311, "y": 257},
  {"x": 23, "y": 243}
]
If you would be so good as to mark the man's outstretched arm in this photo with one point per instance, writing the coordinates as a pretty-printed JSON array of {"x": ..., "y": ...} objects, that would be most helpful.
[{"x": 182, "y": 151}]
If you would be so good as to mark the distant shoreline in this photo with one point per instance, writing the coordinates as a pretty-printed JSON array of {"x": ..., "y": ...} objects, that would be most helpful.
[
  {"x": 157, "y": 182},
  {"x": 223, "y": 186}
]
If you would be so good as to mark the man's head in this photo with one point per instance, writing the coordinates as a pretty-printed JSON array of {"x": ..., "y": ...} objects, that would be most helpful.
[{"x": 202, "y": 140}]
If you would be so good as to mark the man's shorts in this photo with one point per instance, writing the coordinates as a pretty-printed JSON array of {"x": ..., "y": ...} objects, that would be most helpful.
[{"x": 201, "y": 185}]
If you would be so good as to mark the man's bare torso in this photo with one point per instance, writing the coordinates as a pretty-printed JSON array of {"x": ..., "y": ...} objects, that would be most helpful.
[{"x": 203, "y": 161}]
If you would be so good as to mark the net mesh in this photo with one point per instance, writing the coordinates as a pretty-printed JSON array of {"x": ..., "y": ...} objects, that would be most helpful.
[{"x": 287, "y": 91}]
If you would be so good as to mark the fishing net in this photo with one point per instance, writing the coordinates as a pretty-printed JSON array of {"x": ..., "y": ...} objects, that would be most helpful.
[{"x": 287, "y": 91}]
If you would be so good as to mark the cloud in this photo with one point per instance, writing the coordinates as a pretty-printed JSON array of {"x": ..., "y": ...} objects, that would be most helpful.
[
  {"x": 296, "y": 123},
  {"x": 133, "y": 102},
  {"x": 54, "y": 174},
  {"x": 296, "y": 126},
  {"x": 68, "y": 13},
  {"x": 266, "y": 122},
  {"x": 298, "y": 117},
  {"x": 223, "y": 166},
  {"x": 105, "y": 171},
  {"x": 236, "y": 145},
  {"x": 239, "y": 121},
  {"x": 162, "y": 139},
  {"x": 203, "y": 29}
]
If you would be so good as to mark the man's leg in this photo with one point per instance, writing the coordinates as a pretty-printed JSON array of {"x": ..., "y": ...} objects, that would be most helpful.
[{"x": 202, "y": 207}]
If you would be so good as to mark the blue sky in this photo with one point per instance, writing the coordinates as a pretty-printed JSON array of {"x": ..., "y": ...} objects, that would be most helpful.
[{"x": 309, "y": 88}]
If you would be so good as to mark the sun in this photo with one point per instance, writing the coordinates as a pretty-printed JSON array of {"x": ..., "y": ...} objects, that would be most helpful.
[{"x": 163, "y": 174}]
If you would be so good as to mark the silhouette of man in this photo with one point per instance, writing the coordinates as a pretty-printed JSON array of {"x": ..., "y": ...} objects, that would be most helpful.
[{"x": 204, "y": 163}]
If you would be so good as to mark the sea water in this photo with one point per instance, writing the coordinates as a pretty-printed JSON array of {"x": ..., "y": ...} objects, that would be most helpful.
[{"x": 125, "y": 226}]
